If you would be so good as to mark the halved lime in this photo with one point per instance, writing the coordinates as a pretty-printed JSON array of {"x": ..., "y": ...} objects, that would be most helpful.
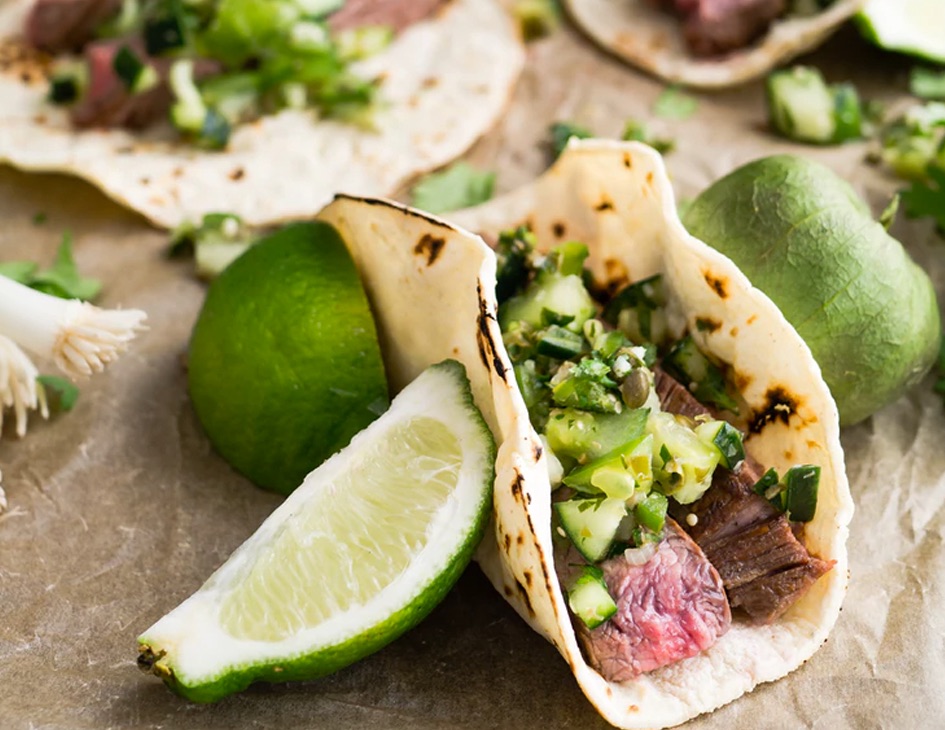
[
  {"x": 916, "y": 27},
  {"x": 369, "y": 543}
]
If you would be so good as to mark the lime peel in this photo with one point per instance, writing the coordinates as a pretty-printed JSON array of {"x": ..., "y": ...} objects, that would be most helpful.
[{"x": 201, "y": 658}]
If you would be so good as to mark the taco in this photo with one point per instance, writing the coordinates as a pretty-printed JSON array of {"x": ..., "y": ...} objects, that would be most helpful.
[
  {"x": 712, "y": 43},
  {"x": 360, "y": 96},
  {"x": 638, "y": 609}
]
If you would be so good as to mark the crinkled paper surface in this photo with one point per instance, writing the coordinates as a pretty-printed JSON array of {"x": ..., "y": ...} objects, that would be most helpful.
[{"x": 119, "y": 509}]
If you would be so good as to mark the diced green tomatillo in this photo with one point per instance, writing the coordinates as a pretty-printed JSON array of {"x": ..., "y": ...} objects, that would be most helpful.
[
  {"x": 589, "y": 598},
  {"x": 691, "y": 458},
  {"x": 587, "y": 436},
  {"x": 564, "y": 295},
  {"x": 800, "y": 492},
  {"x": 567, "y": 259},
  {"x": 694, "y": 370},
  {"x": 726, "y": 438},
  {"x": 591, "y": 524},
  {"x": 651, "y": 512},
  {"x": 234, "y": 95},
  {"x": 620, "y": 473}
]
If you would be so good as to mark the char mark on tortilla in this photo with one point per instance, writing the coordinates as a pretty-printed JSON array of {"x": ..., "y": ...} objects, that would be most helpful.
[
  {"x": 764, "y": 568},
  {"x": 669, "y": 608}
]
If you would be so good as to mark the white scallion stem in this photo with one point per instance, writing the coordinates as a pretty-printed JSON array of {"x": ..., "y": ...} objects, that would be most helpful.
[
  {"x": 79, "y": 337},
  {"x": 18, "y": 387}
]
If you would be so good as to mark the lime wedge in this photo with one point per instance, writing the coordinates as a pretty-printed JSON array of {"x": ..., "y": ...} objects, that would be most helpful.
[
  {"x": 916, "y": 27},
  {"x": 369, "y": 543}
]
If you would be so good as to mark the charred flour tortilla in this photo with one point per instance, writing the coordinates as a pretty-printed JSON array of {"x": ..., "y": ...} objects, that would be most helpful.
[
  {"x": 616, "y": 198},
  {"x": 446, "y": 80},
  {"x": 652, "y": 39}
]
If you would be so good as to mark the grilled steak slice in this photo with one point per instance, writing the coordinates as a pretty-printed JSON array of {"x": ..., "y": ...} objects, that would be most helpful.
[
  {"x": 58, "y": 26},
  {"x": 108, "y": 103},
  {"x": 398, "y": 14},
  {"x": 669, "y": 608},
  {"x": 764, "y": 567},
  {"x": 714, "y": 27}
]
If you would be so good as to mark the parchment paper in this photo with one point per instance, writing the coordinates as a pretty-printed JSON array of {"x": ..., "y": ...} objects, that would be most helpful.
[{"x": 120, "y": 509}]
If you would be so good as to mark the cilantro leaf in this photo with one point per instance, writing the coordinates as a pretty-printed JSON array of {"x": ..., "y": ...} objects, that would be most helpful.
[
  {"x": 62, "y": 279},
  {"x": 459, "y": 186},
  {"x": 561, "y": 132},
  {"x": 927, "y": 198},
  {"x": 20, "y": 271},
  {"x": 65, "y": 392},
  {"x": 927, "y": 84},
  {"x": 673, "y": 103}
]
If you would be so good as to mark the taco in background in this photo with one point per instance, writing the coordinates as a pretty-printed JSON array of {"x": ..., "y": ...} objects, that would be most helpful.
[
  {"x": 709, "y": 43},
  {"x": 360, "y": 97},
  {"x": 660, "y": 620}
]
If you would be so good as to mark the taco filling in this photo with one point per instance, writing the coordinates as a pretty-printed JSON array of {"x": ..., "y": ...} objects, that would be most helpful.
[
  {"x": 665, "y": 530},
  {"x": 209, "y": 65}
]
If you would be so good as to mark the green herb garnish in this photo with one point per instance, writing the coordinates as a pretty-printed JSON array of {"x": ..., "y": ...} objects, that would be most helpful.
[{"x": 458, "y": 186}]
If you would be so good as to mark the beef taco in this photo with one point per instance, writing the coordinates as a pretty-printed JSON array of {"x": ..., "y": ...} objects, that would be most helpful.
[
  {"x": 671, "y": 504},
  {"x": 709, "y": 43},
  {"x": 263, "y": 108}
]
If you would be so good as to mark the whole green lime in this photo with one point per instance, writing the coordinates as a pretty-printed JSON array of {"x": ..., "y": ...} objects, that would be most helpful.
[
  {"x": 803, "y": 236},
  {"x": 284, "y": 364}
]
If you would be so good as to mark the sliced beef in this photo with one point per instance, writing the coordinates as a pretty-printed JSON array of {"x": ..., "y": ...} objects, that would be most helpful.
[
  {"x": 669, "y": 608},
  {"x": 59, "y": 26},
  {"x": 764, "y": 567},
  {"x": 715, "y": 27},
  {"x": 108, "y": 103},
  {"x": 398, "y": 14}
]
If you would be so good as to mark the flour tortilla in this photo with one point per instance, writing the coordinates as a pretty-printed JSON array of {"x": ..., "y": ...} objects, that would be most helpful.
[
  {"x": 616, "y": 198},
  {"x": 446, "y": 81},
  {"x": 653, "y": 40}
]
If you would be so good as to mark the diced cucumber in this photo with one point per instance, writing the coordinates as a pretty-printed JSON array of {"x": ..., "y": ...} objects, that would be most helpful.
[
  {"x": 560, "y": 343},
  {"x": 591, "y": 524},
  {"x": 589, "y": 598},
  {"x": 564, "y": 295},
  {"x": 568, "y": 258},
  {"x": 691, "y": 458},
  {"x": 726, "y": 438},
  {"x": 588, "y": 436},
  {"x": 800, "y": 492}
]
